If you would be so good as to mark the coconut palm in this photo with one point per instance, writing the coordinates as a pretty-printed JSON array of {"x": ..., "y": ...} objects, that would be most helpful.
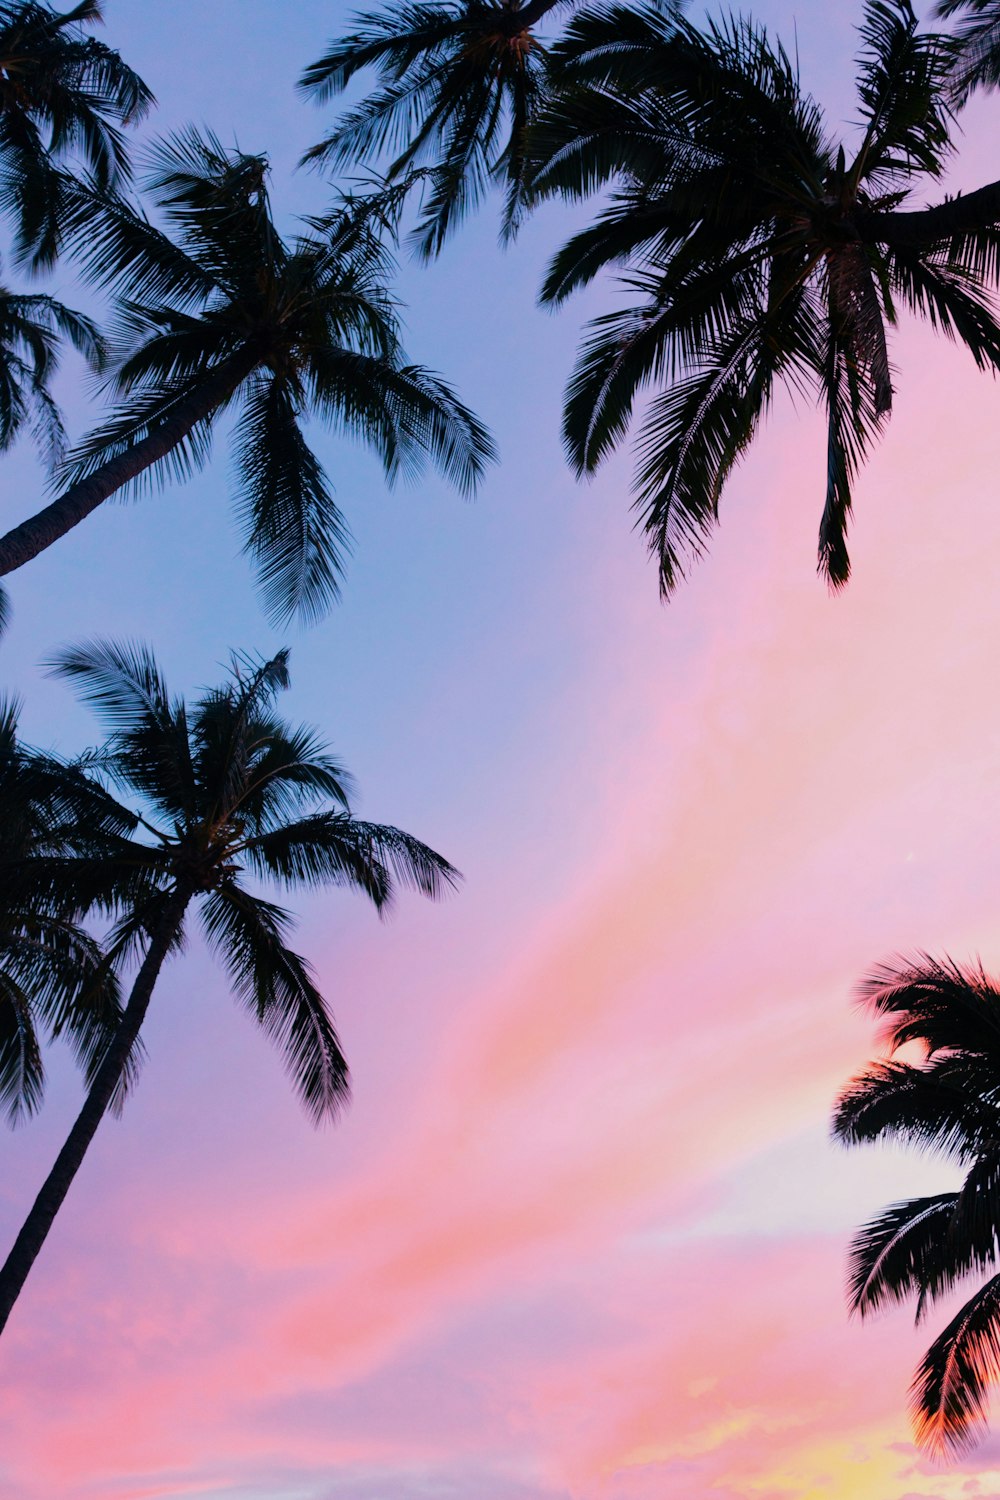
[
  {"x": 63, "y": 97},
  {"x": 756, "y": 252},
  {"x": 947, "y": 1101},
  {"x": 229, "y": 794},
  {"x": 228, "y": 312},
  {"x": 53, "y": 974},
  {"x": 459, "y": 84}
]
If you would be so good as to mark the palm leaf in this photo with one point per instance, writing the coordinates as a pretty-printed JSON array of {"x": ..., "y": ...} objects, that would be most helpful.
[
  {"x": 293, "y": 529},
  {"x": 949, "y": 1390},
  {"x": 278, "y": 987}
]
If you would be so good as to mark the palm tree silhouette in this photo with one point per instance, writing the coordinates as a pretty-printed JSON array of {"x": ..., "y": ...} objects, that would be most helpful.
[
  {"x": 229, "y": 312},
  {"x": 227, "y": 790},
  {"x": 754, "y": 249},
  {"x": 460, "y": 84},
  {"x": 946, "y": 1101}
]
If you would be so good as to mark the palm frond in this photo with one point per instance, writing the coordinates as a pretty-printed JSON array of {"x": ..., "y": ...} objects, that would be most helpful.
[
  {"x": 977, "y": 57},
  {"x": 277, "y": 987},
  {"x": 333, "y": 848},
  {"x": 22, "y": 1073},
  {"x": 909, "y": 1250},
  {"x": 930, "y": 1108},
  {"x": 292, "y": 527},
  {"x": 902, "y": 87},
  {"x": 950, "y": 1388}
]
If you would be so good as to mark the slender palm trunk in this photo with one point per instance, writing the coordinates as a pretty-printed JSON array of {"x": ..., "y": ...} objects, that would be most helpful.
[
  {"x": 25, "y": 541},
  {"x": 36, "y": 1226}
]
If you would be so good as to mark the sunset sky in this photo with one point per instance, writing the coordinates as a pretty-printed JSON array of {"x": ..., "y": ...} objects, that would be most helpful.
[{"x": 581, "y": 1233}]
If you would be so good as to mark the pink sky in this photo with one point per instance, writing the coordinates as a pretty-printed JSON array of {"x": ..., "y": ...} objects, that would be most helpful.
[{"x": 581, "y": 1233}]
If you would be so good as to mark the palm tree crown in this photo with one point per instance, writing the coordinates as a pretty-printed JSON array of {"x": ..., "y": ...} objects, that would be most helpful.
[
  {"x": 749, "y": 251},
  {"x": 460, "y": 84},
  {"x": 229, "y": 795},
  {"x": 947, "y": 1102},
  {"x": 228, "y": 791},
  {"x": 226, "y": 311},
  {"x": 63, "y": 95}
]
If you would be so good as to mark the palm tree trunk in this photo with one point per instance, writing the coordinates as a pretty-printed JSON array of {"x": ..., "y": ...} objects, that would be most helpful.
[
  {"x": 36, "y": 1226},
  {"x": 926, "y": 226},
  {"x": 25, "y": 541}
]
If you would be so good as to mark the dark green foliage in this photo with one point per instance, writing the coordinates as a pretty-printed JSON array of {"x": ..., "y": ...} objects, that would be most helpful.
[{"x": 946, "y": 1100}]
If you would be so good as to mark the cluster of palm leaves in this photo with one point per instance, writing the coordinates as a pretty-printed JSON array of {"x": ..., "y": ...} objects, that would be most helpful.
[
  {"x": 946, "y": 1100},
  {"x": 756, "y": 250}
]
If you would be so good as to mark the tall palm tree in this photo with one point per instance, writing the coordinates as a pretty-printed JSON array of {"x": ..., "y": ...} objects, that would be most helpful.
[
  {"x": 459, "y": 84},
  {"x": 228, "y": 790},
  {"x": 946, "y": 1101},
  {"x": 53, "y": 974},
  {"x": 229, "y": 312},
  {"x": 63, "y": 96},
  {"x": 757, "y": 251}
]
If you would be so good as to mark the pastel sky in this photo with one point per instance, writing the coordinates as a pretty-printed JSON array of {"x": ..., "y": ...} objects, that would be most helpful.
[{"x": 581, "y": 1233}]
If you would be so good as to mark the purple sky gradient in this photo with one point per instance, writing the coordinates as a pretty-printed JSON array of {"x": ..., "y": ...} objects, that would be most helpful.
[{"x": 581, "y": 1233}]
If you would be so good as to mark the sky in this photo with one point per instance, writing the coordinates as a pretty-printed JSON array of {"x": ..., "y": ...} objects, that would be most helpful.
[{"x": 581, "y": 1233}]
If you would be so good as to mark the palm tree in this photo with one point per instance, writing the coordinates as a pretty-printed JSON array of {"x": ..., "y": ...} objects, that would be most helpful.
[
  {"x": 228, "y": 790},
  {"x": 757, "y": 252},
  {"x": 53, "y": 974},
  {"x": 947, "y": 1102},
  {"x": 226, "y": 312},
  {"x": 460, "y": 84},
  {"x": 63, "y": 96}
]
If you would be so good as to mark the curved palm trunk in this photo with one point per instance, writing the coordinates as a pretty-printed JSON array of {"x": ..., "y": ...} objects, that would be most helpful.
[
  {"x": 25, "y": 541},
  {"x": 36, "y": 1226},
  {"x": 926, "y": 226}
]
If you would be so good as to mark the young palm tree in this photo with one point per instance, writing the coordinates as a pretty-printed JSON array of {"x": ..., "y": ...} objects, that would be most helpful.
[
  {"x": 947, "y": 1102},
  {"x": 460, "y": 83},
  {"x": 63, "y": 96},
  {"x": 53, "y": 974},
  {"x": 757, "y": 252},
  {"x": 228, "y": 791},
  {"x": 229, "y": 312}
]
